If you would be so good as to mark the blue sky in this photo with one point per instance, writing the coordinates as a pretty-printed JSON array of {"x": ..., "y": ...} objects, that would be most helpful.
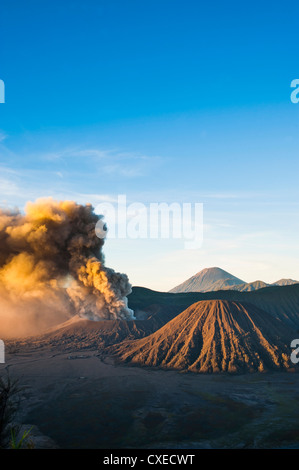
[{"x": 166, "y": 101}]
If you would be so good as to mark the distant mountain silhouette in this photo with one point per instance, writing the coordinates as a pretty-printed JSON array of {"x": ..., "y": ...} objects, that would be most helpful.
[
  {"x": 214, "y": 336},
  {"x": 214, "y": 279},
  {"x": 208, "y": 279},
  {"x": 249, "y": 286},
  {"x": 284, "y": 282}
]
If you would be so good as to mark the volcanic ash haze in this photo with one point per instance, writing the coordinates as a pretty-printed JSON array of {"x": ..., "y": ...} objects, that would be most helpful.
[{"x": 52, "y": 266}]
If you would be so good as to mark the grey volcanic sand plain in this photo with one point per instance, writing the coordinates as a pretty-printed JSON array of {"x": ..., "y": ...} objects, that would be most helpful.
[{"x": 82, "y": 399}]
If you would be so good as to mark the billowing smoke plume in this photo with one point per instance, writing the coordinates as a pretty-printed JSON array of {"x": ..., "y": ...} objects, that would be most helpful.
[{"x": 52, "y": 267}]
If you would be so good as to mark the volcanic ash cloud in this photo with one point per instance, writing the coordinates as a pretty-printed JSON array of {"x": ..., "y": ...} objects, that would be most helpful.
[{"x": 52, "y": 266}]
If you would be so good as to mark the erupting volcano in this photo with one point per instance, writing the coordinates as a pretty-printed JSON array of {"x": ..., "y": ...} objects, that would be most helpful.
[{"x": 52, "y": 267}]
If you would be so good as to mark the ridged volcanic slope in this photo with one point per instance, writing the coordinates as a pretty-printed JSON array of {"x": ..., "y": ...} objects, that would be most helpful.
[{"x": 214, "y": 336}]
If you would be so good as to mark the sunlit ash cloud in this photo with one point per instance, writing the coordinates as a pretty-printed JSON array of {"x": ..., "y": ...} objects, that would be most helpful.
[{"x": 52, "y": 267}]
